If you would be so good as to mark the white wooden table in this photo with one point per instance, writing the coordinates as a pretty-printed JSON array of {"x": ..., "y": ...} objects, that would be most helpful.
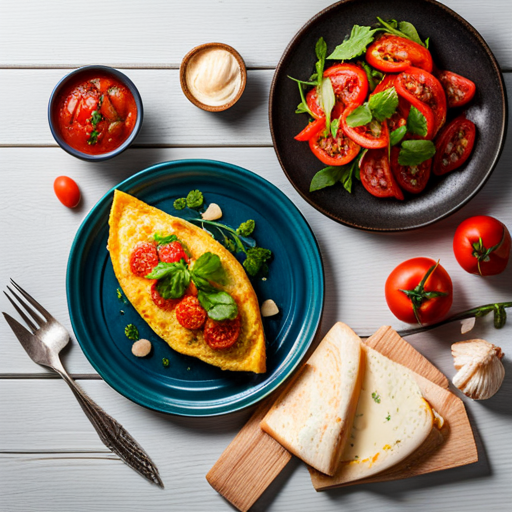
[{"x": 50, "y": 457}]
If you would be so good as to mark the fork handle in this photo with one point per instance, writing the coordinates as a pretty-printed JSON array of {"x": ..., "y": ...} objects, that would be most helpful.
[{"x": 113, "y": 435}]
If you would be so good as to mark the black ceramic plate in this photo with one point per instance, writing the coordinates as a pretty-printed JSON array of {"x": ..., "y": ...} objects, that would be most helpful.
[{"x": 455, "y": 45}]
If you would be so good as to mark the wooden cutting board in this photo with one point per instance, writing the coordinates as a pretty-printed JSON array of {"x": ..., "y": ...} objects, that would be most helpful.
[{"x": 254, "y": 459}]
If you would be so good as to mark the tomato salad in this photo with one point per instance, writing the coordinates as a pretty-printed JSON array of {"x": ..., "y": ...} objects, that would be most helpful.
[{"x": 380, "y": 115}]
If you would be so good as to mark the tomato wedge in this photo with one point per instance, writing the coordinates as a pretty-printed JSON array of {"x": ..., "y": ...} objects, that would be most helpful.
[
  {"x": 333, "y": 151},
  {"x": 420, "y": 87},
  {"x": 459, "y": 90},
  {"x": 376, "y": 175},
  {"x": 411, "y": 178},
  {"x": 454, "y": 145},
  {"x": 373, "y": 135},
  {"x": 393, "y": 54},
  {"x": 311, "y": 129},
  {"x": 349, "y": 82}
]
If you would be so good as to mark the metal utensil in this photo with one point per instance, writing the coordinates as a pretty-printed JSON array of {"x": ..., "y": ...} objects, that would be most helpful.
[{"x": 43, "y": 345}]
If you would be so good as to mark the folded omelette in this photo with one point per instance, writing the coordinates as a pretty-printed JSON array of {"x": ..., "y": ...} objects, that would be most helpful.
[{"x": 133, "y": 221}]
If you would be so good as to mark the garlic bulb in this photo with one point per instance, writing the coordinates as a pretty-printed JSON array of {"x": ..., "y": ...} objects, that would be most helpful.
[{"x": 480, "y": 371}]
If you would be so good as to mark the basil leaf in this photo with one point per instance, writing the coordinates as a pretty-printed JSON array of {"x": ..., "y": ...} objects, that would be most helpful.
[
  {"x": 163, "y": 270},
  {"x": 355, "y": 45},
  {"x": 326, "y": 178},
  {"x": 163, "y": 240},
  {"x": 327, "y": 100},
  {"x": 209, "y": 267},
  {"x": 335, "y": 126},
  {"x": 383, "y": 104},
  {"x": 219, "y": 305},
  {"x": 416, "y": 122},
  {"x": 174, "y": 287},
  {"x": 410, "y": 31},
  {"x": 360, "y": 116},
  {"x": 397, "y": 135},
  {"x": 414, "y": 152},
  {"x": 202, "y": 283}
]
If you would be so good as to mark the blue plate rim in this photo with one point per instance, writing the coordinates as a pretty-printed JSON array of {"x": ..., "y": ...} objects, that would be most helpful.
[{"x": 308, "y": 329}]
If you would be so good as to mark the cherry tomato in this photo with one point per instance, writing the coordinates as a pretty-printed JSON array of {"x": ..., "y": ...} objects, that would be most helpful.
[
  {"x": 189, "y": 313},
  {"x": 373, "y": 135},
  {"x": 393, "y": 54},
  {"x": 67, "y": 191},
  {"x": 311, "y": 129},
  {"x": 222, "y": 335},
  {"x": 376, "y": 175},
  {"x": 349, "y": 82},
  {"x": 431, "y": 298},
  {"x": 459, "y": 90},
  {"x": 333, "y": 151},
  {"x": 412, "y": 178},
  {"x": 143, "y": 259},
  {"x": 172, "y": 253},
  {"x": 420, "y": 87},
  {"x": 482, "y": 245},
  {"x": 160, "y": 302},
  {"x": 454, "y": 145}
]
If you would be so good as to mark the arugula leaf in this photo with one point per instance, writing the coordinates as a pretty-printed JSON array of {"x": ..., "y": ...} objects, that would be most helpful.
[
  {"x": 218, "y": 304},
  {"x": 302, "y": 107},
  {"x": 383, "y": 104},
  {"x": 195, "y": 199},
  {"x": 397, "y": 135},
  {"x": 209, "y": 267},
  {"x": 335, "y": 126},
  {"x": 416, "y": 122},
  {"x": 164, "y": 239},
  {"x": 355, "y": 45},
  {"x": 414, "y": 152},
  {"x": 321, "y": 52},
  {"x": 360, "y": 116}
]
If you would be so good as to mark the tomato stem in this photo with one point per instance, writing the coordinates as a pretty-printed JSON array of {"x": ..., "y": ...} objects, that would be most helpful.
[{"x": 483, "y": 254}]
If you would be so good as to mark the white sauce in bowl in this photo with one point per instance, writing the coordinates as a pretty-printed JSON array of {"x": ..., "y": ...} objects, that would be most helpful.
[{"x": 214, "y": 76}]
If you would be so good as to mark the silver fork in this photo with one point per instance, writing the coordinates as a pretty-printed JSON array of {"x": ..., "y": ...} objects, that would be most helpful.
[{"x": 43, "y": 345}]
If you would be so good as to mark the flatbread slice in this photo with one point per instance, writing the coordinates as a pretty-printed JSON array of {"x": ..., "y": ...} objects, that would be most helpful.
[
  {"x": 392, "y": 421},
  {"x": 313, "y": 416},
  {"x": 133, "y": 221}
]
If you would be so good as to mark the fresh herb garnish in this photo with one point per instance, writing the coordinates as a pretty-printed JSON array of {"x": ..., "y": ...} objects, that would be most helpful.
[
  {"x": 131, "y": 332},
  {"x": 219, "y": 305},
  {"x": 355, "y": 45},
  {"x": 380, "y": 106},
  {"x": 402, "y": 29},
  {"x": 397, "y": 135},
  {"x": 333, "y": 174},
  {"x": 173, "y": 279},
  {"x": 256, "y": 260},
  {"x": 246, "y": 228},
  {"x": 195, "y": 199},
  {"x": 164, "y": 239},
  {"x": 376, "y": 397},
  {"x": 373, "y": 75},
  {"x": 96, "y": 117},
  {"x": 388, "y": 417},
  {"x": 180, "y": 203},
  {"x": 415, "y": 152},
  {"x": 416, "y": 122},
  {"x": 165, "y": 362},
  {"x": 93, "y": 137}
]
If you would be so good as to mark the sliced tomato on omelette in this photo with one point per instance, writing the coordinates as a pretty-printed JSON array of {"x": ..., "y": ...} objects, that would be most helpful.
[{"x": 133, "y": 221}]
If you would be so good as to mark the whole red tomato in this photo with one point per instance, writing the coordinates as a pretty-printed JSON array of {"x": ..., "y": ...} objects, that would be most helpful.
[
  {"x": 482, "y": 245},
  {"x": 420, "y": 291}
]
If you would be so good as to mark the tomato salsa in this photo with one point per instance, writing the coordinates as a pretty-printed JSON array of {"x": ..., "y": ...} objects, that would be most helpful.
[{"x": 95, "y": 113}]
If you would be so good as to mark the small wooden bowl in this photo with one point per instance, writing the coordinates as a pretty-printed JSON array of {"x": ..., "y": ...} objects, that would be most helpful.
[{"x": 183, "y": 76}]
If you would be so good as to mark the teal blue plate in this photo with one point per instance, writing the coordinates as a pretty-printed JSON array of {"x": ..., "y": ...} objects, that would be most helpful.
[{"x": 189, "y": 387}]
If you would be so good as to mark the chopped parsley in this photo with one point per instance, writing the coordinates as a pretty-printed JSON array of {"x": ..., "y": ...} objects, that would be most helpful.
[
  {"x": 195, "y": 199},
  {"x": 93, "y": 137},
  {"x": 180, "y": 203},
  {"x": 388, "y": 417},
  {"x": 246, "y": 228},
  {"x": 132, "y": 333},
  {"x": 165, "y": 362},
  {"x": 376, "y": 397}
]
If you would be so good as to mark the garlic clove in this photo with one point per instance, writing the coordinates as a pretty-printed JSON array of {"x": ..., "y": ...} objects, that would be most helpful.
[
  {"x": 269, "y": 308},
  {"x": 213, "y": 212},
  {"x": 141, "y": 348},
  {"x": 467, "y": 324},
  {"x": 480, "y": 371}
]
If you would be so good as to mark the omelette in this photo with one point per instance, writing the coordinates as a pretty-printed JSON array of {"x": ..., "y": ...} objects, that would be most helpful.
[{"x": 133, "y": 222}]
